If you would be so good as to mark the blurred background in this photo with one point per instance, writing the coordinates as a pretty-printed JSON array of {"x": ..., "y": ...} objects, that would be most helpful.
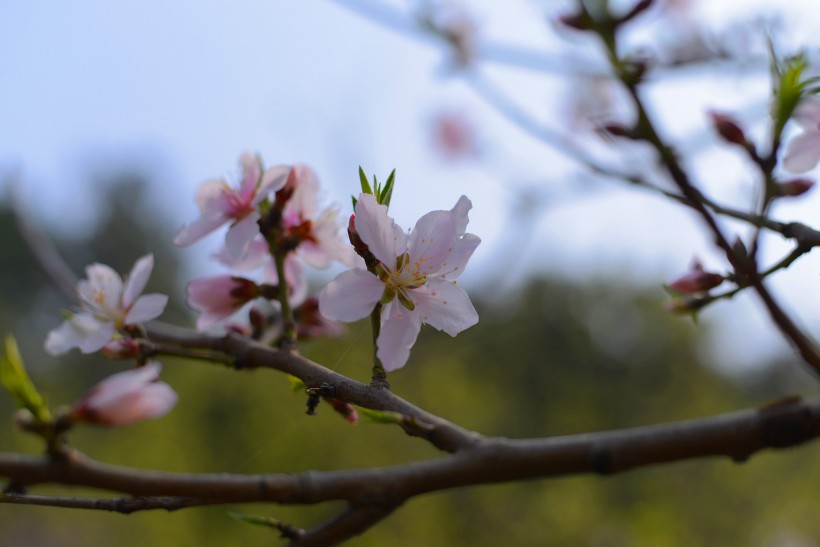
[{"x": 113, "y": 115}]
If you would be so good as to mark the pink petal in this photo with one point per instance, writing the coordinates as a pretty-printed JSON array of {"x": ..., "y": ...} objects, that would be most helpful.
[
  {"x": 254, "y": 258},
  {"x": 431, "y": 241},
  {"x": 399, "y": 330},
  {"x": 193, "y": 232},
  {"x": 462, "y": 250},
  {"x": 127, "y": 397},
  {"x": 251, "y": 172},
  {"x": 72, "y": 333},
  {"x": 152, "y": 401},
  {"x": 95, "y": 341},
  {"x": 460, "y": 211},
  {"x": 115, "y": 386},
  {"x": 803, "y": 152},
  {"x": 146, "y": 308},
  {"x": 382, "y": 235},
  {"x": 101, "y": 290},
  {"x": 240, "y": 235},
  {"x": 295, "y": 276},
  {"x": 211, "y": 199},
  {"x": 272, "y": 181},
  {"x": 807, "y": 113},
  {"x": 302, "y": 204},
  {"x": 351, "y": 296},
  {"x": 137, "y": 279},
  {"x": 444, "y": 305}
]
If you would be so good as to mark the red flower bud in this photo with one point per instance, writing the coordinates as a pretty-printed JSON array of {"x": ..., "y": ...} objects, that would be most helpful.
[
  {"x": 728, "y": 129},
  {"x": 794, "y": 187},
  {"x": 696, "y": 282}
]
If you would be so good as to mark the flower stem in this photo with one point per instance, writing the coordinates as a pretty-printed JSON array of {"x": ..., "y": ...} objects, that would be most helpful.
[
  {"x": 379, "y": 375},
  {"x": 288, "y": 326}
]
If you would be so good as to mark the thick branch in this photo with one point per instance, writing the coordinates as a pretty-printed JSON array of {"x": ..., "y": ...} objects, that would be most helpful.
[
  {"x": 736, "y": 435},
  {"x": 352, "y": 522},
  {"x": 125, "y": 506}
]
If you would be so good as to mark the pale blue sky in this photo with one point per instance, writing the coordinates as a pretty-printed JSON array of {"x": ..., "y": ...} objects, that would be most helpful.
[{"x": 188, "y": 85}]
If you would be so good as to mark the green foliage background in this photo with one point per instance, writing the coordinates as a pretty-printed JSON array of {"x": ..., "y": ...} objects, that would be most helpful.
[{"x": 554, "y": 358}]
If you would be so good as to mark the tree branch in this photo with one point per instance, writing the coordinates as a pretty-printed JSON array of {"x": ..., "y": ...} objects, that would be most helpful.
[{"x": 737, "y": 435}]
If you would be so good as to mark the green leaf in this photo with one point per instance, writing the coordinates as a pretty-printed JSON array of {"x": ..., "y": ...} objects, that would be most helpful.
[
  {"x": 296, "y": 385},
  {"x": 16, "y": 380},
  {"x": 366, "y": 189},
  {"x": 383, "y": 416},
  {"x": 258, "y": 520},
  {"x": 387, "y": 193}
]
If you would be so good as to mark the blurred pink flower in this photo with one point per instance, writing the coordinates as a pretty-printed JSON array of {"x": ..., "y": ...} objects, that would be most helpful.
[
  {"x": 107, "y": 305},
  {"x": 453, "y": 136},
  {"x": 258, "y": 256},
  {"x": 126, "y": 398},
  {"x": 316, "y": 231},
  {"x": 803, "y": 151},
  {"x": 219, "y": 204},
  {"x": 695, "y": 282},
  {"x": 217, "y": 298},
  {"x": 416, "y": 279}
]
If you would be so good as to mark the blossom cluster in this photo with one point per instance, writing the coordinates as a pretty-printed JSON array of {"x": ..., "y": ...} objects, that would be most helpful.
[{"x": 276, "y": 227}]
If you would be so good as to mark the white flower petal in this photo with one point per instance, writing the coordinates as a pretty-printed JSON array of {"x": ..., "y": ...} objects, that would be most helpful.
[
  {"x": 71, "y": 333},
  {"x": 302, "y": 204},
  {"x": 137, "y": 279},
  {"x": 272, "y": 180},
  {"x": 241, "y": 234},
  {"x": 101, "y": 290},
  {"x": 196, "y": 230},
  {"x": 461, "y": 252},
  {"x": 430, "y": 242},
  {"x": 98, "y": 339},
  {"x": 385, "y": 239},
  {"x": 803, "y": 152},
  {"x": 444, "y": 305},
  {"x": 807, "y": 113},
  {"x": 251, "y": 172},
  {"x": 399, "y": 330},
  {"x": 460, "y": 211},
  {"x": 146, "y": 308},
  {"x": 351, "y": 296}
]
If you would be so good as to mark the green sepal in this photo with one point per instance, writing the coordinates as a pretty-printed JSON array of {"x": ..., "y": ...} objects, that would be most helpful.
[
  {"x": 16, "y": 380},
  {"x": 366, "y": 189},
  {"x": 296, "y": 385},
  {"x": 383, "y": 416},
  {"x": 259, "y": 520},
  {"x": 789, "y": 87},
  {"x": 387, "y": 191}
]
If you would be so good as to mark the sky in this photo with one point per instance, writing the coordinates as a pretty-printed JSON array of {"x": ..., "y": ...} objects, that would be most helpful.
[{"x": 181, "y": 88}]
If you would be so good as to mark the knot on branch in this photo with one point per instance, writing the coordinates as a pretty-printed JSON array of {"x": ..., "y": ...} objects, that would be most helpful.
[{"x": 787, "y": 423}]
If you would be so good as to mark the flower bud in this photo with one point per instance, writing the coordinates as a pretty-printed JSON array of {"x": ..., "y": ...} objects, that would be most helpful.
[
  {"x": 577, "y": 21},
  {"x": 346, "y": 410},
  {"x": 728, "y": 129},
  {"x": 696, "y": 282},
  {"x": 121, "y": 348},
  {"x": 126, "y": 398},
  {"x": 794, "y": 187}
]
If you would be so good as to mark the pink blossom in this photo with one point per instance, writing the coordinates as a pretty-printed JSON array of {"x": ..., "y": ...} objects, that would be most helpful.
[
  {"x": 108, "y": 304},
  {"x": 416, "y": 279},
  {"x": 453, "y": 136},
  {"x": 126, "y": 398},
  {"x": 258, "y": 256},
  {"x": 219, "y": 204},
  {"x": 217, "y": 298},
  {"x": 803, "y": 151},
  {"x": 317, "y": 231},
  {"x": 696, "y": 282}
]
